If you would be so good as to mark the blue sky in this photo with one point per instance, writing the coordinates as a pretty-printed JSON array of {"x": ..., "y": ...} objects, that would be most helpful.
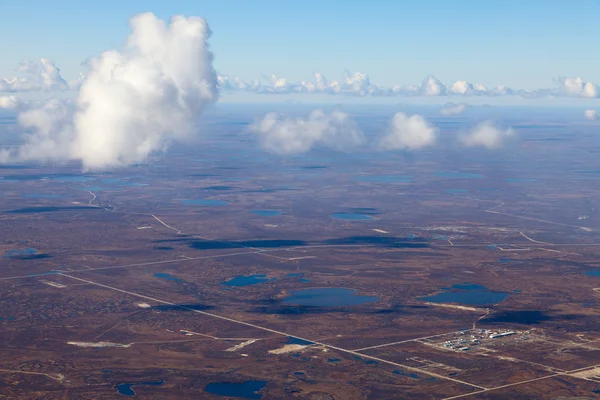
[{"x": 521, "y": 44}]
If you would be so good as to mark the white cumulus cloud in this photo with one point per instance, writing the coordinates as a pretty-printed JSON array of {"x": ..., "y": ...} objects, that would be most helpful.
[
  {"x": 576, "y": 87},
  {"x": 591, "y": 115},
  {"x": 35, "y": 76},
  {"x": 487, "y": 135},
  {"x": 132, "y": 102},
  {"x": 287, "y": 135},
  {"x": 408, "y": 132},
  {"x": 453, "y": 109}
]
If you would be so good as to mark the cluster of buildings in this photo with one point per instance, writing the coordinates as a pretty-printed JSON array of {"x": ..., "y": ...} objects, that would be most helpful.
[{"x": 465, "y": 341}]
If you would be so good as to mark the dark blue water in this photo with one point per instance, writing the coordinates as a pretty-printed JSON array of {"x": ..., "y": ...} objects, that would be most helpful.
[
  {"x": 406, "y": 374},
  {"x": 266, "y": 213},
  {"x": 467, "y": 294},
  {"x": 27, "y": 251},
  {"x": 168, "y": 277},
  {"x": 203, "y": 202},
  {"x": 328, "y": 297},
  {"x": 334, "y": 360},
  {"x": 458, "y": 175},
  {"x": 593, "y": 273},
  {"x": 293, "y": 340},
  {"x": 126, "y": 389},
  {"x": 245, "y": 390},
  {"x": 245, "y": 280},
  {"x": 385, "y": 178},
  {"x": 218, "y": 188},
  {"x": 352, "y": 217}
]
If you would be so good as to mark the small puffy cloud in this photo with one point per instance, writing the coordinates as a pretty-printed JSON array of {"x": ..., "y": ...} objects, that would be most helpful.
[
  {"x": 431, "y": 86},
  {"x": 486, "y": 135},
  {"x": 35, "y": 76},
  {"x": 408, "y": 132},
  {"x": 591, "y": 115},
  {"x": 132, "y": 102},
  {"x": 468, "y": 89},
  {"x": 576, "y": 87},
  {"x": 286, "y": 135},
  {"x": 453, "y": 109}
]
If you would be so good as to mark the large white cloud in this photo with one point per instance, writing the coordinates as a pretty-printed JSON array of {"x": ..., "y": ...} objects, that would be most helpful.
[
  {"x": 576, "y": 87},
  {"x": 487, "y": 135},
  {"x": 132, "y": 102},
  {"x": 591, "y": 115},
  {"x": 287, "y": 135},
  {"x": 408, "y": 132}
]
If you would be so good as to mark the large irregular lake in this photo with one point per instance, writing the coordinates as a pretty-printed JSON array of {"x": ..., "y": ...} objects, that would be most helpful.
[
  {"x": 328, "y": 297},
  {"x": 469, "y": 294},
  {"x": 266, "y": 213},
  {"x": 245, "y": 280},
  {"x": 243, "y": 390},
  {"x": 126, "y": 389}
]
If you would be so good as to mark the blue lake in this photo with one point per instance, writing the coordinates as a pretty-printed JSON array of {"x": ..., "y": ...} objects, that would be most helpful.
[
  {"x": 203, "y": 202},
  {"x": 169, "y": 277},
  {"x": 385, "y": 178},
  {"x": 299, "y": 275},
  {"x": 126, "y": 389},
  {"x": 406, "y": 374},
  {"x": 470, "y": 294},
  {"x": 245, "y": 390},
  {"x": 246, "y": 280},
  {"x": 27, "y": 251},
  {"x": 593, "y": 273},
  {"x": 266, "y": 213},
  {"x": 328, "y": 297},
  {"x": 334, "y": 360},
  {"x": 293, "y": 340},
  {"x": 459, "y": 175},
  {"x": 352, "y": 217}
]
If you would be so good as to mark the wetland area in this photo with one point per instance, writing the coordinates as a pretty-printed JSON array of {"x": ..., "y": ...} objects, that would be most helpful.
[{"x": 376, "y": 275}]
